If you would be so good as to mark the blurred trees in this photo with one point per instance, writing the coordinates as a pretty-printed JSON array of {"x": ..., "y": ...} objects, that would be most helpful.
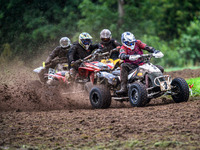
[{"x": 168, "y": 25}]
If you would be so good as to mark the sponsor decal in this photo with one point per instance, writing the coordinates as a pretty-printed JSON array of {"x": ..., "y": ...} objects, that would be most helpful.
[{"x": 139, "y": 74}]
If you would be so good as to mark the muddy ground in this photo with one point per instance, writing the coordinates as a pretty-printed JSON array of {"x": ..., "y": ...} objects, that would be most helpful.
[{"x": 37, "y": 117}]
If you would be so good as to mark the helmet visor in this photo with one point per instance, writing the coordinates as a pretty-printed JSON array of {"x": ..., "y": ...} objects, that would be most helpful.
[
  {"x": 129, "y": 43},
  {"x": 105, "y": 39},
  {"x": 64, "y": 43},
  {"x": 86, "y": 41}
]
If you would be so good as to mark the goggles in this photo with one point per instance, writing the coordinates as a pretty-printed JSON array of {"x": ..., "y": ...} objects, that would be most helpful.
[
  {"x": 105, "y": 39},
  {"x": 129, "y": 43},
  {"x": 86, "y": 41}
]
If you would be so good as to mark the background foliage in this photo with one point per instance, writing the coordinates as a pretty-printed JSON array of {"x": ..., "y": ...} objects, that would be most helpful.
[{"x": 168, "y": 25}]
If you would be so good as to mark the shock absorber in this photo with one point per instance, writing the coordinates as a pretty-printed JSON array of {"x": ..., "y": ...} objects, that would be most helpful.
[{"x": 147, "y": 80}]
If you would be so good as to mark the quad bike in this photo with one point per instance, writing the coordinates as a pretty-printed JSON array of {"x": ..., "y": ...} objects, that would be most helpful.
[
  {"x": 54, "y": 66},
  {"x": 86, "y": 71},
  {"x": 96, "y": 62},
  {"x": 144, "y": 83},
  {"x": 112, "y": 63}
]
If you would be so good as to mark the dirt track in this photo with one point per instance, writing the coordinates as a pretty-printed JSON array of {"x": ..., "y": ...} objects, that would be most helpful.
[{"x": 32, "y": 117}]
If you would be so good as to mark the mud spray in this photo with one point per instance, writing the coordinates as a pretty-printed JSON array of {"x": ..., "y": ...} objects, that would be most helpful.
[{"x": 20, "y": 90}]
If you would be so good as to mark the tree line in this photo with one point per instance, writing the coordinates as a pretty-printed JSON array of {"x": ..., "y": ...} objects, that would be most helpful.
[{"x": 168, "y": 25}]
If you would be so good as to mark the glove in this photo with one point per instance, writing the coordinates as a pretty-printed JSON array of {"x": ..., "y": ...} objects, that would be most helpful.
[
  {"x": 78, "y": 61},
  {"x": 48, "y": 62},
  {"x": 75, "y": 63},
  {"x": 134, "y": 57},
  {"x": 124, "y": 56},
  {"x": 158, "y": 54},
  {"x": 116, "y": 49},
  {"x": 97, "y": 51}
]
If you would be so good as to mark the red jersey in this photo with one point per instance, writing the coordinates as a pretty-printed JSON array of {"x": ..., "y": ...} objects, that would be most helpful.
[{"x": 137, "y": 50}]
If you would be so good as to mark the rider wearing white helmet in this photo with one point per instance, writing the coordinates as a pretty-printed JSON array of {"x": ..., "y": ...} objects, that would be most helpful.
[
  {"x": 60, "y": 51},
  {"x": 131, "y": 46}
]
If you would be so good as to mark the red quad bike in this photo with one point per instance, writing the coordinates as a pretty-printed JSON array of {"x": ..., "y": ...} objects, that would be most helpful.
[
  {"x": 144, "y": 83},
  {"x": 86, "y": 72}
]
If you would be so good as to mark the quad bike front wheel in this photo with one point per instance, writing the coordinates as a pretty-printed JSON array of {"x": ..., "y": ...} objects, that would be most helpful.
[
  {"x": 100, "y": 97},
  {"x": 180, "y": 90},
  {"x": 42, "y": 78},
  {"x": 137, "y": 95}
]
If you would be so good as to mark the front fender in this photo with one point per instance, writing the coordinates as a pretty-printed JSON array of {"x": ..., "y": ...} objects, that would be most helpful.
[{"x": 112, "y": 79}]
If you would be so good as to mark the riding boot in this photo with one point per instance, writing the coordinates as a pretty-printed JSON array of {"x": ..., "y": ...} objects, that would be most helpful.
[
  {"x": 124, "y": 76},
  {"x": 123, "y": 89}
]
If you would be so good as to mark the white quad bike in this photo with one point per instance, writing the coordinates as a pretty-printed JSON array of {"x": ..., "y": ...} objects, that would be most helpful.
[
  {"x": 44, "y": 71},
  {"x": 144, "y": 83}
]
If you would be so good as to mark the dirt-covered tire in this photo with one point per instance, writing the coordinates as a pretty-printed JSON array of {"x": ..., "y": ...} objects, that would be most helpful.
[
  {"x": 100, "y": 97},
  {"x": 182, "y": 90},
  {"x": 88, "y": 86},
  {"x": 148, "y": 100},
  {"x": 137, "y": 95},
  {"x": 42, "y": 78}
]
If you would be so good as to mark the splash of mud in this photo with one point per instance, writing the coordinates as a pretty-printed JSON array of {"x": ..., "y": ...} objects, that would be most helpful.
[{"x": 21, "y": 91}]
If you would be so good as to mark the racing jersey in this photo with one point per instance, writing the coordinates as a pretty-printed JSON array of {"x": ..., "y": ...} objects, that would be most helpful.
[{"x": 137, "y": 50}]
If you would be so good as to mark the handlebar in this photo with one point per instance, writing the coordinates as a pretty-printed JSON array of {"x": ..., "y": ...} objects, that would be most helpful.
[
  {"x": 56, "y": 61},
  {"x": 146, "y": 57},
  {"x": 93, "y": 56}
]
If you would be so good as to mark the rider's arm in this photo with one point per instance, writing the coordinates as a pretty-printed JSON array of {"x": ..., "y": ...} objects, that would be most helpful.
[
  {"x": 72, "y": 52},
  {"x": 94, "y": 46},
  {"x": 53, "y": 54},
  {"x": 123, "y": 55},
  {"x": 116, "y": 43},
  {"x": 146, "y": 47},
  {"x": 149, "y": 49}
]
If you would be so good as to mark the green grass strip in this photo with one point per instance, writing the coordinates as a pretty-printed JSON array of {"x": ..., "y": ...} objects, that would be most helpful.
[{"x": 196, "y": 85}]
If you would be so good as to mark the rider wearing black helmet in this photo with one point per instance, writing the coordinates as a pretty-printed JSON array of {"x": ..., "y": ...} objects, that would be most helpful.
[{"x": 107, "y": 43}]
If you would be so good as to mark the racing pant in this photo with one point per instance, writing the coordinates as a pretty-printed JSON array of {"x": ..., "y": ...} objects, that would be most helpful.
[{"x": 125, "y": 69}]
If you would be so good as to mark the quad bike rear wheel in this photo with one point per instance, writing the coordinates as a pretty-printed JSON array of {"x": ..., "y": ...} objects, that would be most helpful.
[
  {"x": 137, "y": 95},
  {"x": 100, "y": 97},
  {"x": 181, "y": 90}
]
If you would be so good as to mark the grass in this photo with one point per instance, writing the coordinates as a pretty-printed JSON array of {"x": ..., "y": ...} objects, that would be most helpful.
[
  {"x": 181, "y": 68},
  {"x": 196, "y": 86}
]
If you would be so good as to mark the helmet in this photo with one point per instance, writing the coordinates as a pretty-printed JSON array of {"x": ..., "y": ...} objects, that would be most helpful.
[
  {"x": 65, "y": 42},
  {"x": 128, "y": 40},
  {"x": 105, "y": 35},
  {"x": 85, "y": 40}
]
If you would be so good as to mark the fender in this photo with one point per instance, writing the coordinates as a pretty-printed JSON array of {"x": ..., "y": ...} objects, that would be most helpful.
[{"x": 112, "y": 79}]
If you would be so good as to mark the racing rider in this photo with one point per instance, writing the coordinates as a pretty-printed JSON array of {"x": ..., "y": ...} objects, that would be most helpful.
[
  {"x": 131, "y": 46},
  {"x": 80, "y": 50},
  {"x": 60, "y": 51},
  {"x": 107, "y": 44}
]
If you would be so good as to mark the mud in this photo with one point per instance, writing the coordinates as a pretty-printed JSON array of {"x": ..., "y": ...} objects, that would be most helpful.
[
  {"x": 36, "y": 116},
  {"x": 186, "y": 73}
]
